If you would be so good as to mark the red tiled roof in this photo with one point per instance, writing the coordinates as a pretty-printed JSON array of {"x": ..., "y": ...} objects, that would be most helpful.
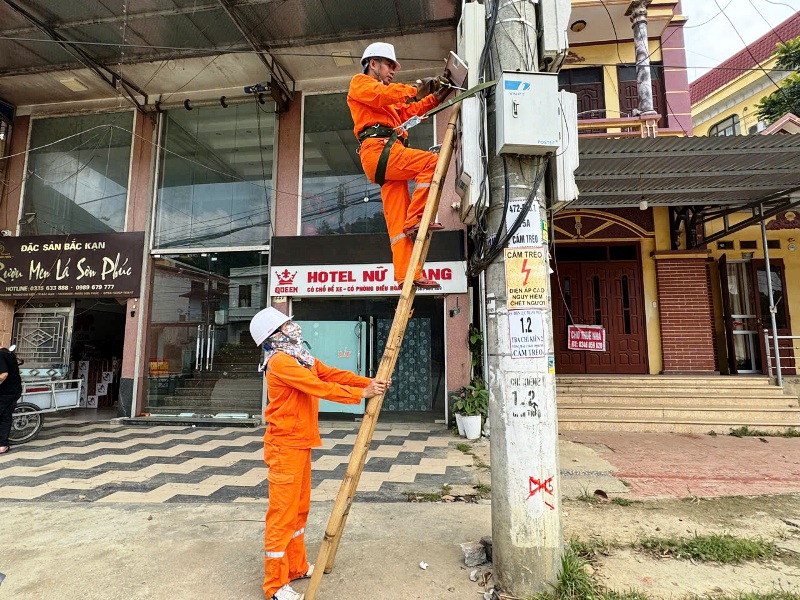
[{"x": 730, "y": 69}]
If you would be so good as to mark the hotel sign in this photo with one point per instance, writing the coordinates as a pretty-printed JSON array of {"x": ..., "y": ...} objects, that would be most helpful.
[
  {"x": 71, "y": 266},
  {"x": 360, "y": 280}
]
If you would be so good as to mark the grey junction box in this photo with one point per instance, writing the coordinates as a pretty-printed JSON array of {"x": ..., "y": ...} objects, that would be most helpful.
[{"x": 528, "y": 116}]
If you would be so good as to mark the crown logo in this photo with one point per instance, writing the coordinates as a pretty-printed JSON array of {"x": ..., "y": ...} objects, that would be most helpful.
[{"x": 285, "y": 277}]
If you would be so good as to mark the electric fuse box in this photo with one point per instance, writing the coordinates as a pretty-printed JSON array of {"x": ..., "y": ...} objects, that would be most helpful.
[{"x": 527, "y": 111}]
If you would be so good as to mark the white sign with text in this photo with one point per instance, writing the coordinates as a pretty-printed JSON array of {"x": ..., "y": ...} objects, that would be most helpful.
[{"x": 360, "y": 280}]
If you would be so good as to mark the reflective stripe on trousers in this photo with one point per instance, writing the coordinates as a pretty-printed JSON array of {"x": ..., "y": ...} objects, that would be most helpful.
[{"x": 289, "y": 478}]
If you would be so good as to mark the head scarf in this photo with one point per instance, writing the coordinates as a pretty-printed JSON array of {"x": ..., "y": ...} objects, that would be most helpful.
[{"x": 287, "y": 339}]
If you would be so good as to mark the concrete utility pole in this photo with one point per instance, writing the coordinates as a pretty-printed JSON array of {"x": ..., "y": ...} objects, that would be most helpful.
[
  {"x": 526, "y": 509},
  {"x": 638, "y": 14}
]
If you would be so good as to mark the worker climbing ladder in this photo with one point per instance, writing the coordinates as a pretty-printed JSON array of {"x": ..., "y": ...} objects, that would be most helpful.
[{"x": 344, "y": 499}]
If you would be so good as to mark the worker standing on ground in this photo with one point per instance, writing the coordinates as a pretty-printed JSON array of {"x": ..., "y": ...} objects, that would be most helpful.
[
  {"x": 295, "y": 383},
  {"x": 378, "y": 107}
]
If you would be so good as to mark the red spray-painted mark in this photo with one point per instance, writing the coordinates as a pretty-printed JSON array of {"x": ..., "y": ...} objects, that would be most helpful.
[{"x": 535, "y": 486}]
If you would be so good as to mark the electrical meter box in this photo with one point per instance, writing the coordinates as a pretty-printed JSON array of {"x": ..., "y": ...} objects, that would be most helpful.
[
  {"x": 553, "y": 43},
  {"x": 527, "y": 111}
]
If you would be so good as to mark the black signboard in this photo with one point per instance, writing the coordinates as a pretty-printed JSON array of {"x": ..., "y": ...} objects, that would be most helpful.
[{"x": 71, "y": 266}]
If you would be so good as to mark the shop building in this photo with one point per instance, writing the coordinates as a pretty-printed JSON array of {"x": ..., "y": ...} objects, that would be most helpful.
[
  {"x": 223, "y": 198},
  {"x": 247, "y": 198}
]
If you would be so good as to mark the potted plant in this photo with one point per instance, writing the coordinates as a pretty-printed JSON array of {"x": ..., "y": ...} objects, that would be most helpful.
[
  {"x": 472, "y": 404},
  {"x": 457, "y": 398}
]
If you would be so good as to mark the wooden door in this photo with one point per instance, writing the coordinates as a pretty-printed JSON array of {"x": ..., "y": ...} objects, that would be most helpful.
[
  {"x": 596, "y": 311},
  {"x": 567, "y": 310},
  {"x": 587, "y": 84},
  {"x": 600, "y": 293},
  {"x": 627, "y": 338},
  {"x": 762, "y": 303},
  {"x": 629, "y": 92}
]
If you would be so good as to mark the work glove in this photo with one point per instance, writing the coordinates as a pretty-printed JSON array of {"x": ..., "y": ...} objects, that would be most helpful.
[
  {"x": 427, "y": 86},
  {"x": 442, "y": 93}
]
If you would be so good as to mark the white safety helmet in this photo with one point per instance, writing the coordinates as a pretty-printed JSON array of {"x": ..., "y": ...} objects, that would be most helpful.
[
  {"x": 265, "y": 323},
  {"x": 379, "y": 50}
]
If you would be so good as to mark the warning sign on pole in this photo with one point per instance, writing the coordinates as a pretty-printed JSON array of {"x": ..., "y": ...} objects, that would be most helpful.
[
  {"x": 530, "y": 230},
  {"x": 526, "y": 329},
  {"x": 526, "y": 278}
]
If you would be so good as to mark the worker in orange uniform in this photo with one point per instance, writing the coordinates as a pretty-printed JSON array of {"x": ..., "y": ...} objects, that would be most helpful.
[
  {"x": 378, "y": 107},
  {"x": 295, "y": 383}
]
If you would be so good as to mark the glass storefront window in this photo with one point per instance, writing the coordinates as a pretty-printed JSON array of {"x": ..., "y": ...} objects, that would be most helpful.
[
  {"x": 337, "y": 197},
  {"x": 77, "y": 178},
  {"x": 201, "y": 358},
  {"x": 215, "y": 184}
]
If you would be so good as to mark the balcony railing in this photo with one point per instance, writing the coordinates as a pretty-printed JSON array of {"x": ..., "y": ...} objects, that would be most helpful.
[{"x": 640, "y": 126}]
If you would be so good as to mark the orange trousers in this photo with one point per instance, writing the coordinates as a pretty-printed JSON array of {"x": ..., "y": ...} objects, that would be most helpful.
[
  {"x": 289, "y": 479},
  {"x": 400, "y": 209}
]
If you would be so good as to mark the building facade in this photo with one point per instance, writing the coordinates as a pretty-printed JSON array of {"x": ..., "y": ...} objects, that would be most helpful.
[{"x": 224, "y": 200}]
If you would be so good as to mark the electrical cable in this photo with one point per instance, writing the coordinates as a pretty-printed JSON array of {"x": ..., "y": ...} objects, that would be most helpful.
[
  {"x": 480, "y": 263},
  {"x": 614, "y": 28},
  {"x": 760, "y": 14},
  {"x": 782, "y": 4},
  {"x": 746, "y": 47},
  {"x": 267, "y": 198}
]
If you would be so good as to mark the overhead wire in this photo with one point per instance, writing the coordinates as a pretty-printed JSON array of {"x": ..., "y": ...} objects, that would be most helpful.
[
  {"x": 760, "y": 14},
  {"x": 752, "y": 56}
]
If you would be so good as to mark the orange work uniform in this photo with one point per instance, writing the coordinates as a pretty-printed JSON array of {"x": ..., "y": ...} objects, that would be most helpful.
[
  {"x": 372, "y": 102},
  {"x": 292, "y": 431}
]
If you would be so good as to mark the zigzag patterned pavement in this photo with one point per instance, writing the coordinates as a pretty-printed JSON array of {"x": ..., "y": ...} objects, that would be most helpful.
[{"x": 102, "y": 462}]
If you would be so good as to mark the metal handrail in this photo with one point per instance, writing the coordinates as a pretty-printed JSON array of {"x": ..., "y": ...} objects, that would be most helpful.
[{"x": 788, "y": 356}]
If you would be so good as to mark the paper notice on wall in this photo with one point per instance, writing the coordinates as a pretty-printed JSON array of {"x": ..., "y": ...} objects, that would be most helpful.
[
  {"x": 101, "y": 389},
  {"x": 108, "y": 376},
  {"x": 83, "y": 368},
  {"x": 91, "y": 402},
  {"x": 526, "y": 329},
  {"x": 530, "y": 230}
]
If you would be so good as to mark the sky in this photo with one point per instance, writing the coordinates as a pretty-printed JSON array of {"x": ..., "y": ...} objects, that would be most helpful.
[{"x": 710, "y": 39}]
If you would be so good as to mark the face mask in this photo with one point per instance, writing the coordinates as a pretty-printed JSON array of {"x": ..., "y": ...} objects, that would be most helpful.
[{"x": 293, "y": 331}]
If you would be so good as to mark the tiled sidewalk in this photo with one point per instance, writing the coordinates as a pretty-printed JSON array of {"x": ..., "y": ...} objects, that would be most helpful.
[
  {"x": 101, "y": 462},
  {"x": 667, "y": 465}
]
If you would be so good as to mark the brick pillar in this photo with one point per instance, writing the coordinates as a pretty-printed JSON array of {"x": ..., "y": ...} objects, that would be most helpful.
[{"x": 687, "y": 319}]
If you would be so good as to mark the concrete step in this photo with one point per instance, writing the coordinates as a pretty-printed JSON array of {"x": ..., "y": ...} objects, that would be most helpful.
[
  {"x": 244, "y": 400},
  {"x": 722, "y": 427},
  {"x": 252, "y": 409},
  {"x": 247, "y": 388},
  {"x": 787, "y": 417},
  {"x": 667, "y": 380},
  {"x": 677, "y": 400},
  {"x": 238, "y": 367},
  {"x": 665, "y": 383},
  {"x": 722, "y": 391}
]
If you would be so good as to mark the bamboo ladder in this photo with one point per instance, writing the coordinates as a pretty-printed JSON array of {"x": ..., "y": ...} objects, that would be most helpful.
[{"x": 344, "y": 499}]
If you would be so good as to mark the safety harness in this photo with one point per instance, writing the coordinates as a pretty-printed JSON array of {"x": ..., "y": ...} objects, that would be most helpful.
[{"x": 382, "y": 131}]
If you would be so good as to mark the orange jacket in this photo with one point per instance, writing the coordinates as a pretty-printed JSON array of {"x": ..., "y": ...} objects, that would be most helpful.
[
  {"x": 372, "y": 102},
  {"x": 294, "y": 391}
]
